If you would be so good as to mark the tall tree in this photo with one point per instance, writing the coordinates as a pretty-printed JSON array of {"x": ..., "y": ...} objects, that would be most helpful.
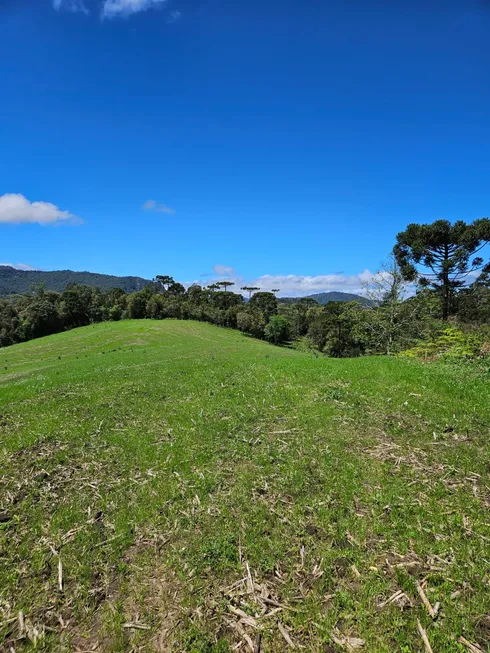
[
  {"x": 265, "y": 302},
  {"x": 442, "y": 255},
  {"x": 307, "y": 302},
  {"x": 225, "y": 284},
  {"x": 278, "y": 329},
  {"x": 164, "y": 281},
  {"x": 79, "y": 305},
  {"x": 250, "y": 289},
  {"x": 332, "y": 330},
  {"x": 176, "y": 288}
]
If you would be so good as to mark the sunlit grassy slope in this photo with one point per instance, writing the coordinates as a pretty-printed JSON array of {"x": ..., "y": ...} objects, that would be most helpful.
[{"x": 173, "y": 486}]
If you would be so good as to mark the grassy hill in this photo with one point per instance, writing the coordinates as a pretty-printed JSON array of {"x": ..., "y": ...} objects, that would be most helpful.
[
  {"x": 173, "y": 486},
  {"x": 14, "y": 281}
]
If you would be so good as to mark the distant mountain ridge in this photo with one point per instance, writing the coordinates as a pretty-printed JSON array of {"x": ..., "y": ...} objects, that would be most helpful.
[
  {"x": 333, "y": 296},
  {"x": 14, "y": 282},
  {"x": 337, "y": 296}
]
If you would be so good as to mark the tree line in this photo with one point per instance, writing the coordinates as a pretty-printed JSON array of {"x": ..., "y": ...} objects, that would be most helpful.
[{"x": 435, "y": 273}]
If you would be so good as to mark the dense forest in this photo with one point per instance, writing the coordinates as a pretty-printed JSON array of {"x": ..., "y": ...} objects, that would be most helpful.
[
  {"x": 434, "y": 288},
  {"x": 15, "y": 282}
]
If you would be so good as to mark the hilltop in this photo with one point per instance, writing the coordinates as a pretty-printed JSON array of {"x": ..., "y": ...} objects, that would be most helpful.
[
  {"x": 327, "y": 297},
  {"x": 176, "y": 486},
  {"x": 335, "y": 296},
  {"x": 14, "y": 281}
]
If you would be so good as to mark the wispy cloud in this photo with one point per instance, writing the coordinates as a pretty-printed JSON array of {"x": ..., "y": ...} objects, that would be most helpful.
[
  {"x": 71, "y": 5},
  {"x": 223, "y": 270},
  {"x": 16, "y": 209},
  {"x": 174, "y": 16},
  {"x": 115, "y": 8},
  {"x": 152, "y": 205},
  {"x": 18, "y": 266}
]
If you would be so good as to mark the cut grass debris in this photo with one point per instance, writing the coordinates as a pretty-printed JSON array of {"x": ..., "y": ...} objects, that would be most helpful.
[{"x": 173, "y": 486}]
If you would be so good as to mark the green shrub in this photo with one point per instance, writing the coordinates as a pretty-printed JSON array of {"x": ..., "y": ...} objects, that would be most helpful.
[
  {"x": 452, "y": 343},
  {"x": 278, "y": 330}
]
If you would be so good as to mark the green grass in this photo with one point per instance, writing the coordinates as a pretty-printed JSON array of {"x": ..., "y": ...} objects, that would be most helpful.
[{"x": 181, "y": 472}]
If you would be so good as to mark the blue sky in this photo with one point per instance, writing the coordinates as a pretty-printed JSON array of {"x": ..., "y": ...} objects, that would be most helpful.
[{"x": 284, "y": 143}]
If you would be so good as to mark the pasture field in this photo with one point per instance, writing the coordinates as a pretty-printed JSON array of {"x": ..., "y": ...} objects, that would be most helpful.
[{"x": 174, "y": 486}]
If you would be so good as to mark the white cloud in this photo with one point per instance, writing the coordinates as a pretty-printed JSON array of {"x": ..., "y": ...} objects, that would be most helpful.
[
  {"x": 16, "y": 209},
  {"x": 71, "y": 5},
  {"x": 18, "y": 266},
  {"x": 293, "y": 285},
  {"x": 152, "y": 205},
  {"x": 114, "y": 8},
  {"x": 224, "y": 270}
]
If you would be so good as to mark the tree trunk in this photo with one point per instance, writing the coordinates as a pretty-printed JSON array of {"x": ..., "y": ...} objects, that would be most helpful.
[{"x": 446, "y": 299}]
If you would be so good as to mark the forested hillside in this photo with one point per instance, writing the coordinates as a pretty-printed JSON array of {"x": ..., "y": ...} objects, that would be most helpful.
[
  {"x": 323, "y": 298},
  {"x": 16, "y": 282}
]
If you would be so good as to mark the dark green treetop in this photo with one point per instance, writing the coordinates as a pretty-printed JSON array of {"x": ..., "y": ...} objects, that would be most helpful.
[
  {"x": 164, "y": 280},
  {"x": 442, "y": 255},
  {"x": 225, "y": 284},
  {"x": 250, "y": 289}
]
